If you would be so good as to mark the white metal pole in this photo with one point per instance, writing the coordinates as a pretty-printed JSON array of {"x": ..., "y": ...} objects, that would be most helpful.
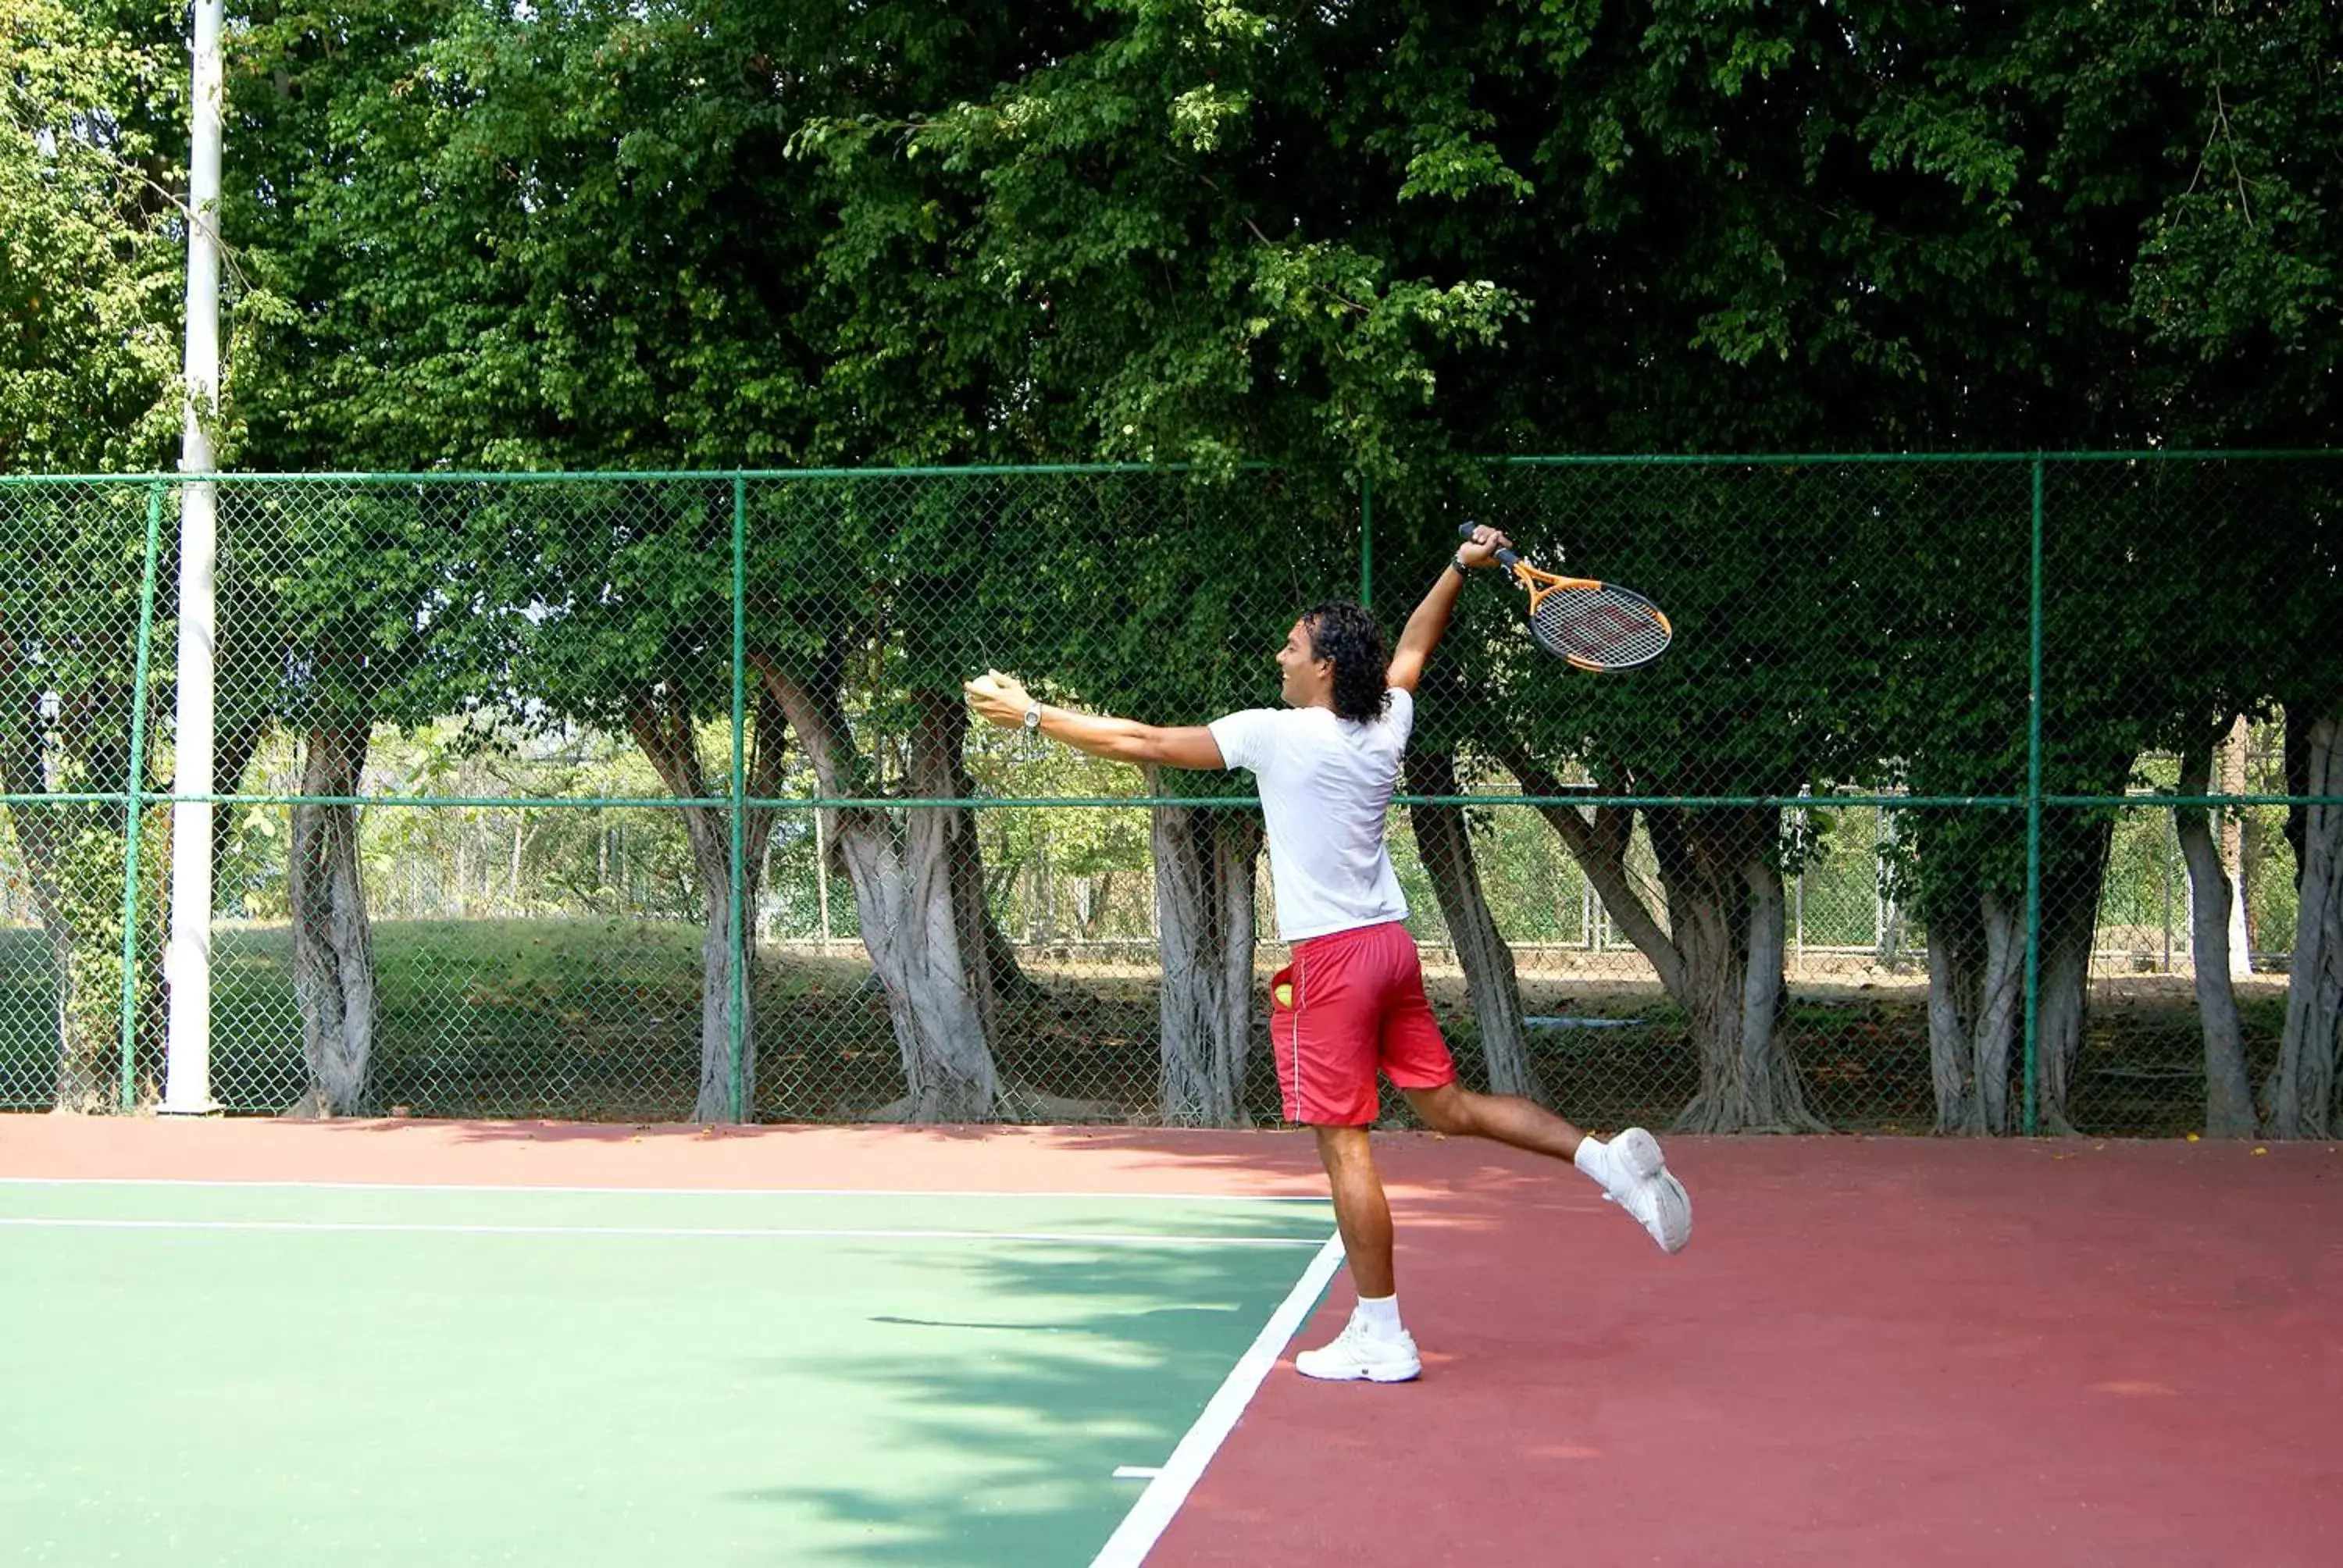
[
  {"x": 188, "y": 955},
  {"x": 2234, "y": 755},
  {"x": 1798, "y": 943},
  {"x": 2167, "y": 847}
]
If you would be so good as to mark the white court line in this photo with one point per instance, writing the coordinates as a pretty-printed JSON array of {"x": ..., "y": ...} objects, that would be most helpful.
[
  {"x": 1137, "y": 1472},
  {"x": 662, "y": 1191},
  {"x": 1052, "y": 1238},
  {"x": 1136, "y": 1537}
]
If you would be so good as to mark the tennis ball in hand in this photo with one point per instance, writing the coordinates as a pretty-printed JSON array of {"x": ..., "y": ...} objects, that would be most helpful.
[{"x": 992, "y": 683}]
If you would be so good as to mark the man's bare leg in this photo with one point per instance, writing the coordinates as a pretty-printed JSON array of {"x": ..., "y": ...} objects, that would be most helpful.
[
  {"x": 1630, "y": 1168},
  {"x": 1458, "y": 1111},
  {"x": 1362, "y": 1213},
  {"x": 1374, "y": 1346}
]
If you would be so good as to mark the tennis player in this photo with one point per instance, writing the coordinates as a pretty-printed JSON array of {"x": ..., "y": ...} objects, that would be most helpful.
[{"x": 1351, "y": 1002}]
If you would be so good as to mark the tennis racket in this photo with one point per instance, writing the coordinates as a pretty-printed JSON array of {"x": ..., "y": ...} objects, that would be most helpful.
[{"x": 1593, "y": 624}]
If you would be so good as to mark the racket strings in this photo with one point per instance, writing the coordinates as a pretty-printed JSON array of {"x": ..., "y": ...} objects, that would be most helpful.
[{"x": 1603, "y": 625}]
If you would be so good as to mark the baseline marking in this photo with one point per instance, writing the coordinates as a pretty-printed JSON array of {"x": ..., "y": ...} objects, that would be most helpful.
[
  {"x": 661, "y": 1192},
  {"x": 1052, "y": 1238},
  {"x": 1136, "y": 1537}
]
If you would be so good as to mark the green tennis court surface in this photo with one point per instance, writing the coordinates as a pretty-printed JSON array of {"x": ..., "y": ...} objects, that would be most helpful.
[{"x": 261, "y": 1374}]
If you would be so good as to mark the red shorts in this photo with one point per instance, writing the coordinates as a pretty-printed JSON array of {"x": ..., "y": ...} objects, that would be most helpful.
[{"x": 1350, "y": 1002}]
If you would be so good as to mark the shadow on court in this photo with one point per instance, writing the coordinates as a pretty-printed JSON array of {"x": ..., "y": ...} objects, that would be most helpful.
[{"x": 1041, "y": 1411}]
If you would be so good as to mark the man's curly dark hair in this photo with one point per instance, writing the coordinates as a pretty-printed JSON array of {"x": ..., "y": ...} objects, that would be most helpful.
[{"x": 1347, "y": 634}]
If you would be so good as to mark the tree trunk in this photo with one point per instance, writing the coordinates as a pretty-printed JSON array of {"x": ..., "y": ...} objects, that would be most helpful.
[
  {"x": 663, "y": 726},
  {"x": 333, "y": 938},
  {"x": 728, "y": 1075},
  {"x": 2075, "y": 875},
  {"x": 2232, "y": 850},
  {"x": 1444, "y": 842},
  {"x": 1726, "y": 915},
  {"x": 936, "y": 772},
  {"x": 2060, "y": 1014},
  {"x": 1721, "y": 956},
  {"x": 914, "y": 912},
  {"x": 1204, "y": 867},
  {"x": 2300, "y": 1092},
  {"x": 1977, "y": 982},
  {"x": 2228, "y": 1090}
]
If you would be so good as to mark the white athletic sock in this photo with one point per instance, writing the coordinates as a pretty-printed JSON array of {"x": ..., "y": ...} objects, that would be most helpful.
[
  {"x": 1379, "y": 1316},
  {"x": 1594, "y": 1156}
]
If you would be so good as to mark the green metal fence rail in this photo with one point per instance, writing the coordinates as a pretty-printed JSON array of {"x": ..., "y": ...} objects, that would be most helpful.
[{"x": 649, "y": 795}]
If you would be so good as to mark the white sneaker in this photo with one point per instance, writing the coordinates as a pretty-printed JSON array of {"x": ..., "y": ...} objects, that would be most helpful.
[
  {"x": 1356, "y": 1354},
  {"x": 1640, "y": 1182}
]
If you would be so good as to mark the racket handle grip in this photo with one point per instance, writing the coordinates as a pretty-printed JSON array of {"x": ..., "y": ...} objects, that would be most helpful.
[{"x": 1506, "y": 558}]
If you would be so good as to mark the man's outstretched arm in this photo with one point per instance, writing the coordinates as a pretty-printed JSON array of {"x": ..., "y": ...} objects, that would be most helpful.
[
  {"x": 1002, "y": 700},
  {"x": 1430, "y": 622}
]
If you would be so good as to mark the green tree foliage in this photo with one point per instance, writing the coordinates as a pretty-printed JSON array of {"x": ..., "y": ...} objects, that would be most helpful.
[
  {"x": 1153, "y": 244},
  {"x": 567, "y": 235},
  {"x": 91, "y": 263}
]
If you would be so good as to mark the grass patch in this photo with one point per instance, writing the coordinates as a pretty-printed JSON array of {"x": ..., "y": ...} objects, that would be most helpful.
[{"x": 583, "y": 1020}]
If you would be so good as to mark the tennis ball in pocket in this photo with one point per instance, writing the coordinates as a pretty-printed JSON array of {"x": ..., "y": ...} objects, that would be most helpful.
[{"x": 1284, "y": 992}]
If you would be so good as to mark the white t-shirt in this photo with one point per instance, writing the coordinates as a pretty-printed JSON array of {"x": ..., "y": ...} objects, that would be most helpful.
[{"x": 1326, "y": 783}]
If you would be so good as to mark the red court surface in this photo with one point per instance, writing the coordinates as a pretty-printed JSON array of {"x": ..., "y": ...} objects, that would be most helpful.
[{"x": 1894, "y": 1352}]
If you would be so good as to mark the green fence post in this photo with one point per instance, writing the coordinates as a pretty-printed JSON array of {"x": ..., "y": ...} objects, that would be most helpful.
[
  {"x": 1366, "y": 542},
  {"x": 740, "y": 796},
  {"x": 133, "y": 800},
  {"x": 2034, "y": 817}
]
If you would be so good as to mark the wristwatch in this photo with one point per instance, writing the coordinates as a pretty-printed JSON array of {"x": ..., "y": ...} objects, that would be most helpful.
[
  {"x": 1033, "y": 715},
  {"x": 1457, "y": 562}
]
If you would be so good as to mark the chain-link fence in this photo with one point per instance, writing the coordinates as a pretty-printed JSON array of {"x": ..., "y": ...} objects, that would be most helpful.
[{"x": 1976, "y": 794}]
